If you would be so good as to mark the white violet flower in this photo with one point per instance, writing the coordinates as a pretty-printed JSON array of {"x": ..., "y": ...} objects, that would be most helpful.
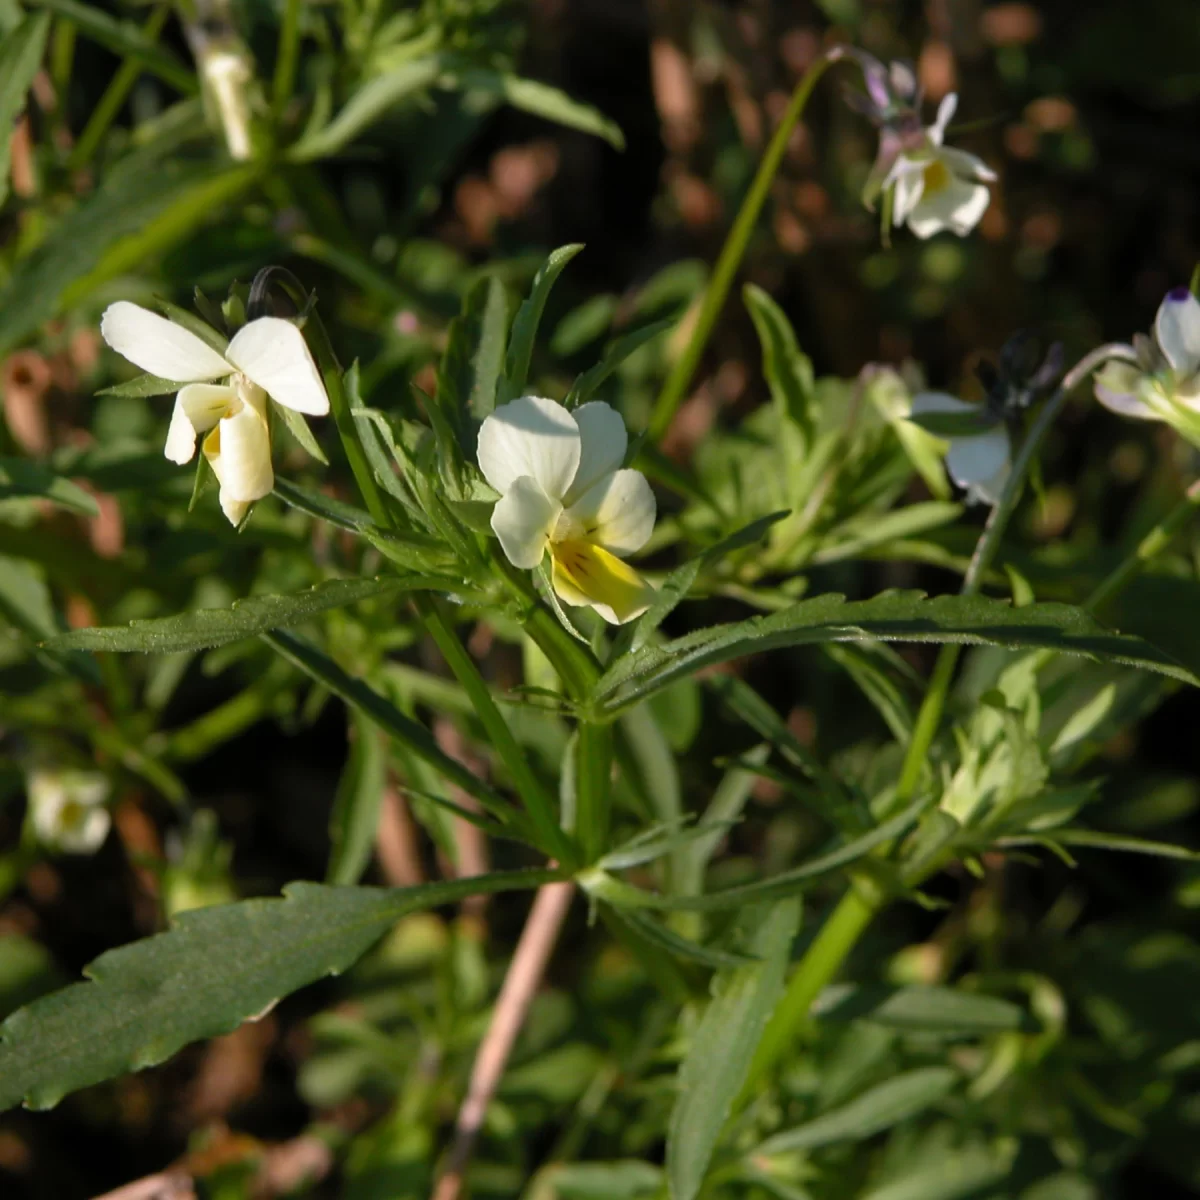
[
  {"x": 562, "y": 489},
  {"x": 980, "y": 463},
  {"x": 936, "y": 187},
  {"x": 67, "y": 809},
  {"x": 267, "y": 357},
  {"x": 1164, "y": 383}
]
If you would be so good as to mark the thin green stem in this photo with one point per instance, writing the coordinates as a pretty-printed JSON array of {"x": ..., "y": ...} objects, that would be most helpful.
[
  {"x": 816, "y": 970},
  {"x": 1149, "y": 548},
  {"x": 538, "y": 802},
  {"x": 680, "y": 376},
  {"x": 930, "y": 715},
  {"x": 593, "y": 767},
  {"x": 114, "y": 96},
  {"x": 287, "y": 57},
  {"x": 331, "y": 373},
  {"x": 854, "y": 912}
]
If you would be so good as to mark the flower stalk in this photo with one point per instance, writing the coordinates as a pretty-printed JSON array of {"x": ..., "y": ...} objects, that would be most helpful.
[
  {"x": 732, "y": 253},
  {"x": 865, "y": 899}
]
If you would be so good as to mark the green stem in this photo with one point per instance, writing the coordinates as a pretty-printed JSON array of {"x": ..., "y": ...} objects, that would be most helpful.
[
  {"x": 1149, "y": 548},
  {"x": 110, "y": 103},
  {"x": 854, "y": 912},
  {"x": 821, "y": 962},
  {"x": 331, "y": 373},
  {"x": 285, "y": 61},
  {"x": 593, "y": 768},
  {"x": 732, "y": 252},
  {"x": 538, "y": 803},
  {"x": 930, "y": 715}
]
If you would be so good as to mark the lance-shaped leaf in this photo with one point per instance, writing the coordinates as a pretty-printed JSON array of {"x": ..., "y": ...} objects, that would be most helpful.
[
  {"x": 891, "y": 616},
  {"x": 215, "y": 969},
  {"x": 615, "y": 354},
  {"x": 208, "y": 627},
  {"x": 126, "y": 39},
  {"x": 20, "y": 477},
  {"x": 723, "y": 1043},
  {"x": 529, "y": 317},
  {"x": 20, "y": 57},
  {"x": 879, "y": 1108},
  {"x": 391, "y": 720}
]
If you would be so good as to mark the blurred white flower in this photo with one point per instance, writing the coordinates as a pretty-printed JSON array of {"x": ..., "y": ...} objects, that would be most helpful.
[
  {"x": 67, "y": 809},
  {"x": 980, "y": 463},
  {"x": 1164, "y": 383},
  {"x": 562, "y": 489},
  {"x": 267, "y": 356},
  {"x": 227, "y": 74},
  {"x": 935, "y": 187}
]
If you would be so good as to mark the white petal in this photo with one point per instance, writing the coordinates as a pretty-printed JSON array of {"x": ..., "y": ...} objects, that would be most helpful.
[
  {"x": 235, "y": 510},
  {"x": 932, "y": 402},
  {"x": 274, "y": 354},
  {"x": 523, "y": 519},
  {"x": 945, "y": 113},
  {"x": 965, "y": 165},
  {"x": 87, "y": 834},
  {"x": 958, "y": 207},
  {"x": 531, "y": 436},
  {"x": 160, "y": 346},
  {"x": 602, "y": 445},
  {"x": 909, "y": 185},
  {"x": 980, "y": 464},
  {"x": 1177, "y": 328},
  {"x": 198, "y": 407},
  {"x": 617, "y": 512},
  {"x": 1117, "y": 387},
  {"x": 239, "y": 449}
]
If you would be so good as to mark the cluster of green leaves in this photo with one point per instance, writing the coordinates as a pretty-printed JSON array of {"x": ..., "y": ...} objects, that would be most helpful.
[{"x": 705, "y": 858}]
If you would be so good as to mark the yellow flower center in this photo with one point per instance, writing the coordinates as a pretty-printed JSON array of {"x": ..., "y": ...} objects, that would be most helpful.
[
  {"x": 937, "y": 177},
  {"x": 72, "y": 815},
  {"x": 586, "y": 573}
]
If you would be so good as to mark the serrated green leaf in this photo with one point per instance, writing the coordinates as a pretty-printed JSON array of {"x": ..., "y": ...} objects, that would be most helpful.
[
  {"x": 615, "y": 353},
  {"x": 20, "y": 56},
  {"x": 891, "y": 616},
  {"x": 540, "y": 99},
  {"x": 142, "y": 386},
  {"x": 470, "y": 367},
  {"x": 356, "y": 805},
  {"x": 125, "y": 39},
  {"x": 905, "y": 1095},
  {"x": 366, "y": 106},
  {"x": 208, "y": 627},
  {"x": 955, "y": 1175},
  {"x": 942, "y": 1010},
  {"x": 722, "y": 1046},
  {"x": 216, "y": 968},
  {"x": 529, "y": 317},
  {"x": 149, "y": 201},
  {"x": 788, "y": 370},
  {"x": 20, "y": 477}
]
